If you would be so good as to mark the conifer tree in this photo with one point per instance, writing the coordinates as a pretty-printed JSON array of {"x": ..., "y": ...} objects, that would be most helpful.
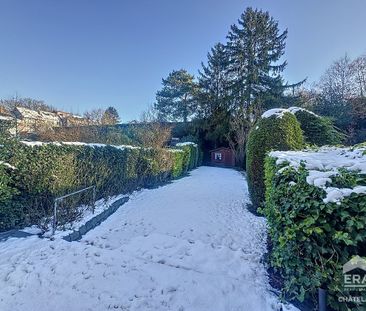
[
  {"x": 175, "y": 101},
  {"x": 110, "y": 116},
  {"x": 213, "y": 81},
  {"x": 255, "y": 47}
]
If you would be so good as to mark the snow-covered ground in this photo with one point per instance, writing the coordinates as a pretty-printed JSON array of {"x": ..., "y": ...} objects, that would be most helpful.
[{"x": 190, "y": 245}]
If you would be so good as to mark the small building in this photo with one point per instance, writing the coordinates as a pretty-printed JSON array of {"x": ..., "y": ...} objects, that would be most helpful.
[
  {"x": 222, "y": 157},
  {"x": 31, "y": 121}
]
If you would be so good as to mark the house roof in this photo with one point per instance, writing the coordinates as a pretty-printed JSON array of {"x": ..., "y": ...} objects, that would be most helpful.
[
  {"x": 41, "y": 114},
  {"x": 220, "y": 148},
  {"x": 28, "y": 113}
]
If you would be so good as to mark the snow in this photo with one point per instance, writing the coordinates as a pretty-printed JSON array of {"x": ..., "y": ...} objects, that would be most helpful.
[
  {"x": 279, "y": 112},
  {"x": 175, "y": 150},
  {"x": 294, "y": 110},
  {"x": 190, "y": 245},
  {"x": 35, "y": 143},
  {"x": 337, "y": 194},
  {"x": 188, "y": 143},
  {"x": 32, "y": 230},
  {"x": 323, "y": 164},
  {"x": 318, "y": 178},
  {"x": 95, "y": 145},
  {"x": 92, "y": 145},
  {"x": 87, "y": 214},
  {"x": 7, "y": 165},
  {"x": 45, "y": 115},
  {"x": 77, "y": 143},
  {"x": 40, "y": 114}
]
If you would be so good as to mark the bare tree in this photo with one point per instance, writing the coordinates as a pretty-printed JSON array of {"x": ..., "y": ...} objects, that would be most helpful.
[
  {"x": 358, "y": 67},
  {"x": 94, "y": 117},
  {"x": 337, "y": 83},
  {"x": 30, "y": 103},
  {"x": 240, "y": 124},
  {"x": 150, "y": 132}
]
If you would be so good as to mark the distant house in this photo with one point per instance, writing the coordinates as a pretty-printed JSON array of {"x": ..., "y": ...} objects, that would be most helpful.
[
  {"x": 69, "y": 119},
  {"x": 31, "y": 121},
  {"x": 222, "y": 157}
]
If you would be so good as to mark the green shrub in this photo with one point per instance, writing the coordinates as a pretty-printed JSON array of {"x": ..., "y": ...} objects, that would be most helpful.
[
  {"x": 10, "y": 214},
  {"x": 312, "y": 239},
  {"x": 191, "y": 155},
  {"x": 317, "y": 130},
  {"x": 45, "y": 171},
  {"x": 178, "y": 164},
  {"x": 272, "y": 133}
]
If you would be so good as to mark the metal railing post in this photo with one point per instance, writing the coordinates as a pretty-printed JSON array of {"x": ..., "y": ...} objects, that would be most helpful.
[
  {"x": 94, "y": 198},
  {"x": 55, "y": 205},
  {"x": 54, "y": 223}
]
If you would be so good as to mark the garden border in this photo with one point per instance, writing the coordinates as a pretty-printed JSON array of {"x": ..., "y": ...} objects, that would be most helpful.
[{"x": 95, "y": 221}]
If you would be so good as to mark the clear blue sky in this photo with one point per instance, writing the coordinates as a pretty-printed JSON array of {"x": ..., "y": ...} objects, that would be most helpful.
[{"x": 84, "y": 54}]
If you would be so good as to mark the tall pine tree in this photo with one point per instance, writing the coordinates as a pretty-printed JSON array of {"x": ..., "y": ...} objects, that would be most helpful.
[
  {"x": 255, "y": 46},
  {"x": 213, "y": 81},
  {"x": 213, "y": 101}
]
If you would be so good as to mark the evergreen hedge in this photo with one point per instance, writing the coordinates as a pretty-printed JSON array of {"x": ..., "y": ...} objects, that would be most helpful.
[
  {"x": 47, "y": 170},
  {"x": 312, "y": 239},
  {"x": 317, "y": 130},
  {"x": 10, "y": 214},
  {"x": 272, "y": 133}
]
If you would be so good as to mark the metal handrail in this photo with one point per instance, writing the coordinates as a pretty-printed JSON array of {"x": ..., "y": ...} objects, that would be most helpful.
[
  {"x": 73, "y": 193},
  {"x": 58, "y": 199}
]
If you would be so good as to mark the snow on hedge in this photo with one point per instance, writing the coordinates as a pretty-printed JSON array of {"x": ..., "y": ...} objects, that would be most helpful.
[
  {"x": 7, "y": 165},
  {"x": 188, "y": 143},
  {"x": 97, "y": 145},
  {"x": 77, "y": 143},
  {"x": 279, "y": 112},
  {"x": 325, "y": 163}
]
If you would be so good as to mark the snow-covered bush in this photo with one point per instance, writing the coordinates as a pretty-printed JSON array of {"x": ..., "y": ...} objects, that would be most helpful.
[
  {"x": 316, "y": 211},
  {"x": 317, "y": 130},
  {"x": 276, "y": 130},
  {"x": 46, "y": 170}
]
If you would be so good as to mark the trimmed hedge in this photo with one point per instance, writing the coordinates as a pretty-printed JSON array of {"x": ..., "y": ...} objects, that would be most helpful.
[
  {"x": 10, "y": 214},
  {"x": 312, "y": 239},
  {"x": 318, "y": 130},
  {"x": 272, "y": 133},
  {"x": 45, "y": 171}
]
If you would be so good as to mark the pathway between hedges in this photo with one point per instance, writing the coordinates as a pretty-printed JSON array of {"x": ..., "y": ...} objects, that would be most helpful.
[{"x": 190, "y": 245}]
